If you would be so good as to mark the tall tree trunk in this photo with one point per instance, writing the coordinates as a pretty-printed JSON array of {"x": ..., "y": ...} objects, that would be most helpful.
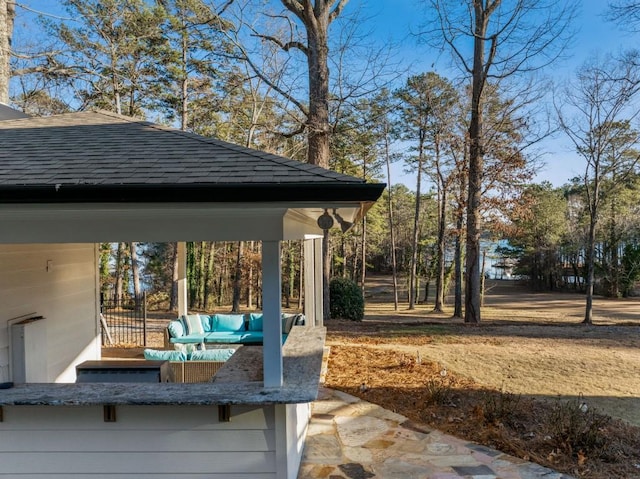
[
  {"x": 363, "y": 253},
  {"x": 173, "y": 301},
  {"x": 414, "y": 243},
  {"x": 202, "y": 273},
  {"x": 184, "y": 82},
  {"x": 482, "y": 276},
  {"x": 237, "y": 278},
  {"x": 120, "y": 261},
  {"x": 7, "y": 16},
  {"x": 208, "y": 278},
  {"x": 343, "y": 254},
  {"x": 457, "y": 307},
  {"x": 442, "y": 224},
  {"x": 135, "y": 272},
  {"x": 591, "y": 252},
  {"x": 472, "y": 278},
  {"x": 394, "y": 267},
  {"x": 318, "y": 119},
  {"x": 316, "y": 17},
  {"x": 288, "y": 271},
  {"x": 460, "y": 232},
  {"x": 614, "y": 290},
  {"x": 594, "y": 202},
  {"x": 250, "y": 278}
]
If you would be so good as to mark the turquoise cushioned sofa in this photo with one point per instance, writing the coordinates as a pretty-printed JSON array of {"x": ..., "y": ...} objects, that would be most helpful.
[{"x": 223, "y": 329}]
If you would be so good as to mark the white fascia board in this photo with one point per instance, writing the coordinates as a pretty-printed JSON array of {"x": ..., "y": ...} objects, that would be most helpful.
[{"x": 168, "y": 222}]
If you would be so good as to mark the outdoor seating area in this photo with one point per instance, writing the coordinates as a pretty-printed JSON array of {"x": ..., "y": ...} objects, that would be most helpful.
[
  {"x": 197, "y": 366},
  {"x": 53, "y": 226},
  {"x": 190, "y": 330}
]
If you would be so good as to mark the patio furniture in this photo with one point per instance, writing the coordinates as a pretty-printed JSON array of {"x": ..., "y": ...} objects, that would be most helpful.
[
  {"x": 203, "y": 329},
  {"x": 198, "y": 366}
]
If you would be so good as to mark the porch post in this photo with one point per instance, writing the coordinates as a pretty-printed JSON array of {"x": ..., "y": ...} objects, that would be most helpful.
[
  {"x": 309, "y": 282},
  {"x": 319, "y": 303},
  {"x": 182, "y": 278},
  {"x": 271, "y": 310}
]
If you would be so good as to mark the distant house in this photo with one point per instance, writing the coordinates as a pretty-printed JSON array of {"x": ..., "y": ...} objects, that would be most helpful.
[{"x": 69, "y": 182}]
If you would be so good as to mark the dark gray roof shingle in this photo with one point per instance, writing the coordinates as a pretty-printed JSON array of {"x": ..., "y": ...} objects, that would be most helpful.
[{"x": 100, "y": 153}]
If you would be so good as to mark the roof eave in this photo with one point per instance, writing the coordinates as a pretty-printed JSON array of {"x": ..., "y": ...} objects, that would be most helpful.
[{"x": 198, "y": 193}]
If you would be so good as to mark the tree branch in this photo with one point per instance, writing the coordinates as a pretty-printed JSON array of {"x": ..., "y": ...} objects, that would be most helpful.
[
  {"x": 294, "y": 6},
  {"x": 285, "y": 46},
  {"x": 244, "y": 56},
  {"x": 337, "y": 10}
]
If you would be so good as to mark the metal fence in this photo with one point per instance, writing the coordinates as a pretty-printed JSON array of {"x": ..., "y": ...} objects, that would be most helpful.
[{"x": 124, "y": 319}]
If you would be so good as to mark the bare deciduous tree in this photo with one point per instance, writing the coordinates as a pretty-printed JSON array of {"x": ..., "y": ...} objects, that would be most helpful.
[
  {"x": 509, "y": 39},
  {"x": 596, "y": 117},
  {"x": 7, "y": 15},
  {"x": 625, "y": 13}
]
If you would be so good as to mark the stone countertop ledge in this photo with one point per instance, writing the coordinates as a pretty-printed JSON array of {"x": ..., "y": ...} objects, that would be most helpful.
[{"x": 238, "y": 382}]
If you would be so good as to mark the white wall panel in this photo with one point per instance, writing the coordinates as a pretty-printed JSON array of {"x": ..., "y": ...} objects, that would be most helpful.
[
  {"x": 59, "y": 282},
  {"x": 182, "y": 442}
]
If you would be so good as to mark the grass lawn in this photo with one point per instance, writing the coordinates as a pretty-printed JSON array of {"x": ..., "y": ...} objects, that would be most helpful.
[{"x": 530, "y": 380}]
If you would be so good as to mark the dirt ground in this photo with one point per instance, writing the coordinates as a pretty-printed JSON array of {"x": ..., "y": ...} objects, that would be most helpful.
[{"x": 499, "y": 383}]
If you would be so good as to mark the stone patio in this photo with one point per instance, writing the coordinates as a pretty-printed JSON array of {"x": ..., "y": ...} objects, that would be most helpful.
[{"x": 352, "y": 439}]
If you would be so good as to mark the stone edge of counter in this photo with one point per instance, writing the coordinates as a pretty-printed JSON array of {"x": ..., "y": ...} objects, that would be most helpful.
[{"x": 302, "y": 364}]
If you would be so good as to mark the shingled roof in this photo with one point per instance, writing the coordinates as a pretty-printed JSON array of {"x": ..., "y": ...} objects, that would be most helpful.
[{"x": 97, "y": 156}]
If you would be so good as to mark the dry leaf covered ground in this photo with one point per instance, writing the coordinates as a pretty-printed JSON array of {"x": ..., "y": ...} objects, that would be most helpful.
[
  {"x": 499, "y": 383},
  {"x": 530, "y": 381}
]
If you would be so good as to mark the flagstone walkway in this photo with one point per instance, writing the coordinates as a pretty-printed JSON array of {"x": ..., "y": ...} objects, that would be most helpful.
[{"x": 352, "y": 439}]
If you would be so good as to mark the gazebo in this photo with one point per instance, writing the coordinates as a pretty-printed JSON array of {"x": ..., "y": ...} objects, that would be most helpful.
[{"x": 69, "y": 182}]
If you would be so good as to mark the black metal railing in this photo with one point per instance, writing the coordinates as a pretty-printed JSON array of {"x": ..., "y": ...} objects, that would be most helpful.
[{"x": 123, "y": 319}]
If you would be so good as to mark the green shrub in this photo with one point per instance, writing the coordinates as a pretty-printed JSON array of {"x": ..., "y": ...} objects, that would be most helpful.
[{"x": 346, "y": 301}]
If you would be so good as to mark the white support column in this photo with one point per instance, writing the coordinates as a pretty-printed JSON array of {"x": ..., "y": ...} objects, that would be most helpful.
[
  {"x": 309, "y": 282},
  {"x": 271, "y": 310},
  {"x": 182, "y": 278},
  {"x": 319, "y": 304}
]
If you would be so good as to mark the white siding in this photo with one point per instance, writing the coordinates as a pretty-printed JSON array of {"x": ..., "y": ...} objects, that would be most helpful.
[
  {"x": 185, "y": 442},
  {"x": 65, "y": 294},
  {"x": 292, "y": 421}
]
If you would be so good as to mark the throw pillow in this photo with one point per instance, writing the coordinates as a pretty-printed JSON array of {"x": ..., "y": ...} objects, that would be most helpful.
[
  {"x": 176, "y": 328},
  {"x": 193, "y": 324}
]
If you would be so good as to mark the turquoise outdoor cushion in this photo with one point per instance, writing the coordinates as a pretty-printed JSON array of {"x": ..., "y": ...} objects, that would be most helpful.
[
  {"x": 205, "y": 319},
  {"x": 155, "y": 355},
  {"x": 255, "y": 322},
  {"x": 252, "y": 337},
  {"x": 176, "y": 328},
  {"x": 212, "y": 355},
  {"x": 228, "y": 337},
  {"x": 189, "y": 338},
  {"x": 229, "y": 322}
]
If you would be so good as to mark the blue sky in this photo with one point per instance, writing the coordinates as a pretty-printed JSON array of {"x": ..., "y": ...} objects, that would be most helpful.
[
  {"x": 594, "y": 35},
  {"x": 397, "y": 19}
]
